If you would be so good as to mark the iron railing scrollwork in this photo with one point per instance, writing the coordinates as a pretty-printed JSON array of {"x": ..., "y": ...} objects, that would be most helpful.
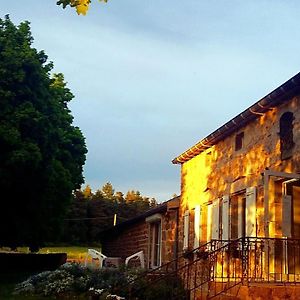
[{"x": 220, "y": 266}]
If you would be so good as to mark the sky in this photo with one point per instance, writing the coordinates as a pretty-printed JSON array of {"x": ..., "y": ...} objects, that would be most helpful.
[{"x": 152, "y": 78}]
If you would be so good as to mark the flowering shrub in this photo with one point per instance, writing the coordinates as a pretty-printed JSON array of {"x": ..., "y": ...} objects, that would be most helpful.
[{"x": 74, "y": 281}]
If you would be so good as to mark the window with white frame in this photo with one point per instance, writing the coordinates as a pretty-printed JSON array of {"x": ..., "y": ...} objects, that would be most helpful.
[{"x": 154, "y": 240}]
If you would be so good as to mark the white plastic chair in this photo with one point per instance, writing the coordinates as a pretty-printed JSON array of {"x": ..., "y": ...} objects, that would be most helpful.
[
  {"x": 139, "y": 255},
  {"x": 95, "y": 255}
]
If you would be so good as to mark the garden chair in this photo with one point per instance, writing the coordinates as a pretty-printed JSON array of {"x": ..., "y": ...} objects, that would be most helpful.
[
  {"x": 95, "y": 255},
  {"x": 139, "y": 255}
]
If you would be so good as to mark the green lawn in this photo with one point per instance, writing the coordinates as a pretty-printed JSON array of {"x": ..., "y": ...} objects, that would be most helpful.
[{"x": 73, "y": 252}]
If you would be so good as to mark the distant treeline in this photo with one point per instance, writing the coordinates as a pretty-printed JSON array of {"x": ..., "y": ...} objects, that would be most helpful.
[{"x": 90, "y": 213}]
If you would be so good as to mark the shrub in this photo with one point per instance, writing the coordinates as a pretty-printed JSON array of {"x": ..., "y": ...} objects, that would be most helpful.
[{"x": 74, "y": 280}]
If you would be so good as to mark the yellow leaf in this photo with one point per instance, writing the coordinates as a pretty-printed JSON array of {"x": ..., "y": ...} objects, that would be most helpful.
[
  {"x": 82, "y": 9},
  {"x": 82, "y": 6}
]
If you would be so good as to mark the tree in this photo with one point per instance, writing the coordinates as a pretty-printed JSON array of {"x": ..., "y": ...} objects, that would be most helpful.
[
  {"x": 89, "y": 215},
  {"x": 41, "y": 152},
  {"x": 87, "y": 192},
  {"x": 108, "y": 191},
  {"x": 76, "y": 224},
  {"x": 81, "y": 6}
]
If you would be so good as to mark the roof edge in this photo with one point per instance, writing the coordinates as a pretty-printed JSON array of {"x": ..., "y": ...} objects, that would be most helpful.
[
  {"x": 161, "y": 208},
  {"x": 273, "y": 99}
]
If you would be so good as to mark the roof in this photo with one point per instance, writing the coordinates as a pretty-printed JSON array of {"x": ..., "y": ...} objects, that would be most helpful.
[
  {"x": 161, "y": 208},
  {"x": 275, "y": 98}
]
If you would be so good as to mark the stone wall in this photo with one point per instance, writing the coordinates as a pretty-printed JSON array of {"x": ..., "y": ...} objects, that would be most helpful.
[
  {"x": 127, "y": 242},
  {"x": 221, "y": 170},
  {"x": 263, "y": 292},
  {"x": 135, "y": 237}
]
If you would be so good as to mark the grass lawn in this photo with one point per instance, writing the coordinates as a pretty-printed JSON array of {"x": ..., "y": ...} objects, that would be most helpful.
[{"x": 75, "y": 253}]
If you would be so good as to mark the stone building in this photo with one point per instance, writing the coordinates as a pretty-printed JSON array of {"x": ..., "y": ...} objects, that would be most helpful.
[
  {"x": 240, "y": 201},
  {"x": 154, "y": 233},
  {"x": 235, "y": 231}
]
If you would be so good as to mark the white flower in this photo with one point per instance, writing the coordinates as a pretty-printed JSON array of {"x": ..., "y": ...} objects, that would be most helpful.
[
  {"x": 114, "y": 297},
  {"x": 99, "y": 292}
]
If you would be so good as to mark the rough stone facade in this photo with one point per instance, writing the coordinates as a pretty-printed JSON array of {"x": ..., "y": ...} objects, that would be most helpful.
[
  {"x": 221, "y": 171},
  {"x": 240, "y": 189}
]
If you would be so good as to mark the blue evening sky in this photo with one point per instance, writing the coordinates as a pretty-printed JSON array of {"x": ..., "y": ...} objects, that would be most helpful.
[{"x": 151, "y": 78}]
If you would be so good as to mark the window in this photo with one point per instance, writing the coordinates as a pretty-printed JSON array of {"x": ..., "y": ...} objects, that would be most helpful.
[
  {"x": 154, "y": 240},
  {"x": 237, "y": 215},
  {"x": 155, "y": 244},
  {"x": 286, "y": 135},
  {"x": 239, "y": 139}
]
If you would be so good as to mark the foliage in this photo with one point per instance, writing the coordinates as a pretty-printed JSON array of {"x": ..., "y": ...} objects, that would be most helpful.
[
  {"x": 170, "y": 287},
  {"x": 81, "y": 6},
  {"x": 41, "y": 152},
  {"x": 91, "y": 213},
  {"x": 75, "y": 280}
]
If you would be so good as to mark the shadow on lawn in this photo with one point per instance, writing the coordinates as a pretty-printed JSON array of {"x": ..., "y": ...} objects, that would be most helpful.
[
  {"x": 8, "y": 280},
  {"x": 17, "y": 267}
]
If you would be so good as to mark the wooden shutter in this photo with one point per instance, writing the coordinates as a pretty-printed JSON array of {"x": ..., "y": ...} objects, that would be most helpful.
[
  {"x": 215, "y": 220},
  {"x": 225, "y": 218},
  {"x": 287, "y": 216},
  {"x": 197, "y": 221},
  {"x": 209, "y": 222},
  {"x": 250, "y": 229},
  {"x": 186, "y": 223}
]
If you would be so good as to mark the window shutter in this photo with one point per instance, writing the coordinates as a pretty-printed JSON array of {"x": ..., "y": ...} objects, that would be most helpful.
[
  {"x": 186, "y": 222},
  {"x": 286, "y": 216},
  {"x": 250, "y": 212},
  {"x": 209, "y": 222},
  {"x": 197, "y": 221},
  {"x": 215, "y": 220},
  {"x": 225, "y": 218}
]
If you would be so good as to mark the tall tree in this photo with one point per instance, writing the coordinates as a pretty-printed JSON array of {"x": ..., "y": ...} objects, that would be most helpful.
[{"x": 41, "y": 152}]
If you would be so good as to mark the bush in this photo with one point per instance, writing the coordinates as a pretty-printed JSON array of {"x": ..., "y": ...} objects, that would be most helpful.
[{"x": 74, "y": 280}]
